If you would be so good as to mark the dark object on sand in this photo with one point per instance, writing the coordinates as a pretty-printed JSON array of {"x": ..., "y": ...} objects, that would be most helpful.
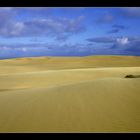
[{"x": 132, "y": 76}]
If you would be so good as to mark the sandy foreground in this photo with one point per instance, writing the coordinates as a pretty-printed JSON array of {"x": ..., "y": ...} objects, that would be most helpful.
[{"x": 87, "y": 94}]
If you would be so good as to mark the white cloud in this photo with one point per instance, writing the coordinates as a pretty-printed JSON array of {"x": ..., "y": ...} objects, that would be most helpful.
[
  {"x": 24, "y": 49},
  {"x": 123, "y": 40},
  {"x": 3, "y": 48},
  {"x": 54, "y": 27},
  {"x": 17, "y": 28}
]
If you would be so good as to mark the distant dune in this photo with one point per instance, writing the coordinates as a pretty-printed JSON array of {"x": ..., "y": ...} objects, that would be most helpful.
[
  {"x": 70, "y": 94},
  {"x": 53, "y": 63}
]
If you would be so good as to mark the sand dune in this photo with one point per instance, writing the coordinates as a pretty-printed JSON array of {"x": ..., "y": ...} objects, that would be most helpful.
[
  {"x": 60, "y": 77},
  {"x": 91, "y": 98},
  {"x": 84, "y": 107},
  {"x": 54, "y": 63}
]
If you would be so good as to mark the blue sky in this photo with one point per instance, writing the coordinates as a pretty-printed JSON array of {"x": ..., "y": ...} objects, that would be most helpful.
[{"x": 69, "y": 31}]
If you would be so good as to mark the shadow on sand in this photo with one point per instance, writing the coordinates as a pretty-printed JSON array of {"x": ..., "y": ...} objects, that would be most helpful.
[{"x": 132, "y": 76}]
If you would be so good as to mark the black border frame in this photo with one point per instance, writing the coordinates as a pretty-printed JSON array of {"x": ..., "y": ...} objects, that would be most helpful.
[{"x": 69, "y": 3}]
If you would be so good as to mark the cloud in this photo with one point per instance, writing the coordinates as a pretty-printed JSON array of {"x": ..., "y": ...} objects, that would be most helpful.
[
  {"x": 122, "y": 41},
  {"x": 117, "y": 28},
  {"x": 22, "y": 50},
  {"x": 26, "y": 50},
  {"x": 102, "y": 40},
  {"x": 131, "y": 12},
  {"x": 105, "y": 19},
  {"x": 134, "y": 47},
  {"x": 113, "y": 31},
  {"x": 39, "y": 24},
  {"x": 7, "y": 24},
  {"x": 112, "y": 45},
  {"x": 6, "y": 15},
  {"x": 109, "y": 39},
  {"x": 117, "y": 45},
  {"x": 127, "y": 45},
  {"x": 57, "y": 28}
]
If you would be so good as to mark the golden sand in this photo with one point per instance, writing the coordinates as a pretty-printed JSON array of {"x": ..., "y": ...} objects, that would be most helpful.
[{"x": 70, "y": 94}]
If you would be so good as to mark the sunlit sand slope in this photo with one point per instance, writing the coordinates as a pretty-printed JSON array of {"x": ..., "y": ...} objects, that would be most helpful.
[
  {"x": 103, "y": 105},
  {"x": 61, "y": 77},
  {"x": 73, "y": 94}
]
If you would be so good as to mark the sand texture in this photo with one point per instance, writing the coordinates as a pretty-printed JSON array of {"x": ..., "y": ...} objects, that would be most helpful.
[{"x": 70, "y": 94}]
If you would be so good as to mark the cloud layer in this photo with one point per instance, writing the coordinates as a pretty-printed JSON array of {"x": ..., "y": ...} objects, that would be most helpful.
[
  {"x": 55, "y": 27},
  {"x": 117, "y": 28},
  {"x": 69, "y": 31},
  {"x": 119, "y": 45}
]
